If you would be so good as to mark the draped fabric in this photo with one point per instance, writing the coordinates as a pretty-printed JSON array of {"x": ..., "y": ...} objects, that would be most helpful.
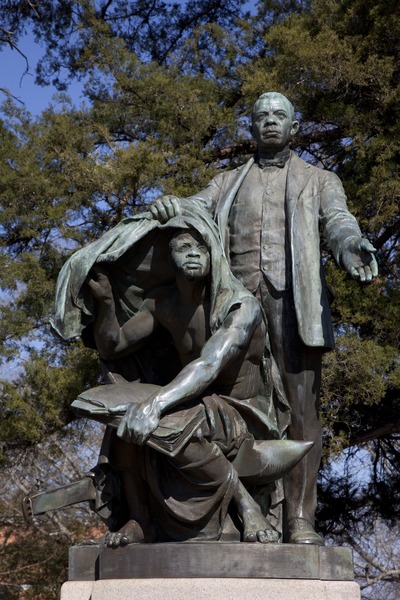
[{"x": 136, "y": 252}]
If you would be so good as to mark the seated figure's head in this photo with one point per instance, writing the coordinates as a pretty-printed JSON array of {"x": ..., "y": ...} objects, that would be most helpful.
[{"x": 190, "y": 255}]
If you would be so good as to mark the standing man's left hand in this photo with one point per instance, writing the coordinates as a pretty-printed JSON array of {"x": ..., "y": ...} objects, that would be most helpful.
[{"x": 358, "y": 258}]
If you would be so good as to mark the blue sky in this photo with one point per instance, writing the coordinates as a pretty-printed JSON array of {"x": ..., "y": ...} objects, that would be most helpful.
[{"x": 22, "y": 85}]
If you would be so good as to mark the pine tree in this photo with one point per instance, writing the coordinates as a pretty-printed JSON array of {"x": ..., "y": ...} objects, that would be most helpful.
[{"x": 169, "y": 90}]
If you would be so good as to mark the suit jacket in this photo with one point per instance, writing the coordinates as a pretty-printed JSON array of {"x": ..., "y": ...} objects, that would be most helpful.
[{"x": 315, "y": 200}]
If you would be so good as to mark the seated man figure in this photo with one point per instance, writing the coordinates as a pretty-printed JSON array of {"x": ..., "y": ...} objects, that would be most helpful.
[{"x": 187, "y": 496}]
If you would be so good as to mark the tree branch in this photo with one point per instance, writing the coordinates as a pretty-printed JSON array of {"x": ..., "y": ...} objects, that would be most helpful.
[
  {"x": 372, "y": 434},
  {"x": 371, "y": 560}
]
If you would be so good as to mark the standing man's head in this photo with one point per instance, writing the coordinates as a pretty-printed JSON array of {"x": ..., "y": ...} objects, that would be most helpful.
[
  {"x": 272, "y": 122},
  {"x": 190, "y": 254}
]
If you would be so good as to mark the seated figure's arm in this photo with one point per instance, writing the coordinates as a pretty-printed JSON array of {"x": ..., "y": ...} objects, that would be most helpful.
[
  {"x": 112, "y": 340},
  {"x": 223, "y": 346}
]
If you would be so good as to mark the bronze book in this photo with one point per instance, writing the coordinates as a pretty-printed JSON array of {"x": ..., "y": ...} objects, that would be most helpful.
[{"x": 175, "y": 429}]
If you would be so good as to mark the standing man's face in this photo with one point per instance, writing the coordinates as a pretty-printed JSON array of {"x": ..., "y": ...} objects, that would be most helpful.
[
  {"x": 272, "y": 124},
  {"x": 190, "y": 255}
]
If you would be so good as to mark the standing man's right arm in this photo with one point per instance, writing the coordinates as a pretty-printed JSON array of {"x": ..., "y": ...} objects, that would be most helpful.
[
  {"x": 112, "y": 340},
  {"x": 167, "y": 207}
]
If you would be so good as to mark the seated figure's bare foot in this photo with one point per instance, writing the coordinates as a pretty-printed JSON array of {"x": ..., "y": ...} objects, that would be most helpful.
[
  {"x": 130, "y": 533},
  {"x": 255, "y": 526},
  {"x": 257, "y": 529}
]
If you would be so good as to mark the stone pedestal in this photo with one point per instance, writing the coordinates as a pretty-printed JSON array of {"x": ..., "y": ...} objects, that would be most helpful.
[
  {"x": 201, "y": 571},
  {"x": 210, "y": 589}
]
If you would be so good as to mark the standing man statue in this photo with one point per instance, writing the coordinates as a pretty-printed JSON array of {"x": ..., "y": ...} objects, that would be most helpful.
[{"x": 270, "y": 212}]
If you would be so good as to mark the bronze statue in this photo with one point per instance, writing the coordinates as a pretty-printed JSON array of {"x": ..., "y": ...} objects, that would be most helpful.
[
  {"x": 269, "y": 212},
  {"x": 176, "y": 455},
  {"x": 222, "y": 362}
]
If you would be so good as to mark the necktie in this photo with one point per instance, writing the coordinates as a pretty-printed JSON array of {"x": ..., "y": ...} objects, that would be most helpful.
[{"x": 278, "y": 161}]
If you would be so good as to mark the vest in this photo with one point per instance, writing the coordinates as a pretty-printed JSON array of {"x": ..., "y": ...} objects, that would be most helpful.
[{"x": 258, "y": 232}]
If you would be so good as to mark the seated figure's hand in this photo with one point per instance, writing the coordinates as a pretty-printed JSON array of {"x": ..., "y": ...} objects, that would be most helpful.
[
  {"x": 165, "y": 208},
  {"x": 358, "y": 258},
  {"x": 139, "y": 421},
  {"x": 100, "y": 285}
]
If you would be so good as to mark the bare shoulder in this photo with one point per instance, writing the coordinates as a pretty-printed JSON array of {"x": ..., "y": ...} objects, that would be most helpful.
[
  {"x": 246, "y": 313},
  {"x": 252, "y": 305},
  {"x": 159, "y": 299}
]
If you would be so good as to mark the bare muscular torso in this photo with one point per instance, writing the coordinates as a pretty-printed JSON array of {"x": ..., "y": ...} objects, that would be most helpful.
[{"x": 189, "y": 327}]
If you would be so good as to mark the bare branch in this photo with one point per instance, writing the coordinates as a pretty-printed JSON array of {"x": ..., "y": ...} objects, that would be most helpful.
[
  {"x": 6, "y": 92},
  {"x": 371, "y": 560},
  {"x": 26, "y": 567}
]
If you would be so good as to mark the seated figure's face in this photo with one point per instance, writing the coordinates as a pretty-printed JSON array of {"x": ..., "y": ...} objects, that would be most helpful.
[{"x": 190, "y": 255}]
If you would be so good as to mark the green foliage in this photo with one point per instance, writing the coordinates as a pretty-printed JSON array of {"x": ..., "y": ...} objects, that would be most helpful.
[
  {"x": 37, "y": 403},
  {"x": 360, "y": 381},
  {"x": 339, "y": 64},
  {"x": 168, "y": 92}
]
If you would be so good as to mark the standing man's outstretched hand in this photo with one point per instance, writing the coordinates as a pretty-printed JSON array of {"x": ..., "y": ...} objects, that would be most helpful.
[
  {"x": 358, "y": 258},
  {"x": 165, "y": 208}
]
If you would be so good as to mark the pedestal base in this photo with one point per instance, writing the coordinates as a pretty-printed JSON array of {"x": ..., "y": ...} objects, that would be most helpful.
[
  {"x": 206, "y": 589},
  {"x": 211, "y": 559},
  {"x": 204, "y": 571}
]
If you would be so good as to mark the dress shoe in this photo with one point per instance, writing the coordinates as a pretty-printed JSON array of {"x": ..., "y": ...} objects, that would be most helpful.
[{"x": 300, "y": 531}]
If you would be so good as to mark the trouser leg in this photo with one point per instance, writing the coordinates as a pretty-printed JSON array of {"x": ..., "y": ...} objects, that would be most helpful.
[
  {"x": 300, "y": 484},
  {"x": 300, "y": 369}
]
